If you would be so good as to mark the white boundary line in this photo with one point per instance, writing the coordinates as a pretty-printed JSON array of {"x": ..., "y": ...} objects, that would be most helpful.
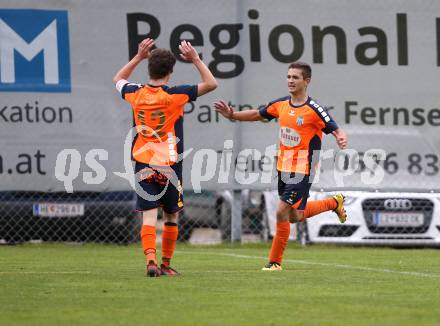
[
  {"x": 304, "y": 262},
  {"x": 34, "y": 272}
]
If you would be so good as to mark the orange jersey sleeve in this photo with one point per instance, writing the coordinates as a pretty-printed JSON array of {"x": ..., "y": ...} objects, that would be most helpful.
[{"x": 270, "y": 111}]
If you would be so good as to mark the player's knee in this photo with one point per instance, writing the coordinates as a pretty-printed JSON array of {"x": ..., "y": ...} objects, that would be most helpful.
[
  {"x": 296, "y": 216},
  {"x": 293, "y": 219},
  {"x": 149, "y": 216},
  {"x": 282, "y": 215},
  {"x": 170, "y": 217}
]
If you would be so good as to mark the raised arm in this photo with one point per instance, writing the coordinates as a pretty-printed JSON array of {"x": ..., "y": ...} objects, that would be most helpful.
[
  {"x": 144, "y": 51},
  {"x": 226, "y": 111},
  {"x": 188, "y": 53}
]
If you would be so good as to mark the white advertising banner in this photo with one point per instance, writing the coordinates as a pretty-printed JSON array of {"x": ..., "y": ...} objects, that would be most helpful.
[{"x": 376, "y": 68}]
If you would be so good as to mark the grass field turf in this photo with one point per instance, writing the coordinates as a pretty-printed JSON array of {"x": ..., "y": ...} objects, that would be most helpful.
[{"x": 59, "y": 284}]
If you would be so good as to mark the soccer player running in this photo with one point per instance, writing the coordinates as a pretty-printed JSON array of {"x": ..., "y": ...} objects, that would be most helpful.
[
  {"x": 302, "y": 121},
  {"x": 158, "y": 144}
]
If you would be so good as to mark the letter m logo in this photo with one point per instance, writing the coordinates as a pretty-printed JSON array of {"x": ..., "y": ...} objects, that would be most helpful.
[{"x": 34, "y": 51}]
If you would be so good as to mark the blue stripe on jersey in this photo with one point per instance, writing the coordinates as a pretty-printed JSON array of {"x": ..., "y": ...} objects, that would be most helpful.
[
  {"x": 330, "y": 127},
  {"x": 314, "y": 149},
  {"x": 130, "y": 88},
  {"x": 178, "y": 130},
  {"x": 330, "y": 124},
  {"x": 267, "y": 115},
  {"x": 190, "y": 90}
]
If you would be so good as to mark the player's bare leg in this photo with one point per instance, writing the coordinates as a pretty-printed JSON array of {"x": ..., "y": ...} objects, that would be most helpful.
[{"x": 296, "y": 215}]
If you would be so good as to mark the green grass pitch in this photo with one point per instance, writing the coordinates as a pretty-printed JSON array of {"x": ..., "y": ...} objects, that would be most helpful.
[{"x": 59, "y": 284}]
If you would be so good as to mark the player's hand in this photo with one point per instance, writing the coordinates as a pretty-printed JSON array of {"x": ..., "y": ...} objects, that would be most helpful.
[
  {"x": 187, "y": 52},
  {"x": 341, "y": 138},
  {"x": 145, "y": 47},
  {"x": 224, "y": 109}
]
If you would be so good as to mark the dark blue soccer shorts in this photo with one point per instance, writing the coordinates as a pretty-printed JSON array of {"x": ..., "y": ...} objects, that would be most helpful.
[
  {"x": 293, "y": 189},
  {"x": 159, "y": 186}
]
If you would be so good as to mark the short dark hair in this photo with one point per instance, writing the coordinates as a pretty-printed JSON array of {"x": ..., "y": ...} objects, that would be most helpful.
[
  {"x": 160, "y": 63},
  {"x": 305, "y": 68}
]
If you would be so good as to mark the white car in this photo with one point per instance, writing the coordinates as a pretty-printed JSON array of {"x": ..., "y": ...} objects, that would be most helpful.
[
  {"x": 376, "y": 218},
  {"x": 387, "y": 218}
]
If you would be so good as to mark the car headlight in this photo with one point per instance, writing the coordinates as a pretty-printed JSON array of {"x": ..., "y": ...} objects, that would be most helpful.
[{"x": 349, "y": 200}]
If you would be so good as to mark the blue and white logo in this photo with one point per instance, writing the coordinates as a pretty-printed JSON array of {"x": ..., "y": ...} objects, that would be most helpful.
[{"x": 34, "y": 51}]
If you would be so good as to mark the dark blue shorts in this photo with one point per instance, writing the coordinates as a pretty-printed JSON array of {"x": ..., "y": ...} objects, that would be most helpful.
[
  {"x": 159, "y": 186},
  {"x": 293, "y": 189}
]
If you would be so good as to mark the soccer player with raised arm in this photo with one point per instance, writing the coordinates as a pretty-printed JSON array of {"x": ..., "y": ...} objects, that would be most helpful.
[
  {"x": 158, "y": 144},
  {"x": 301, "y": 121}
]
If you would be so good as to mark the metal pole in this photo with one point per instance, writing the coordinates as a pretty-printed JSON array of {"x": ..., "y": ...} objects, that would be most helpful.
[
  {"x": 236, "y": 216},
  {"x": 236, "y": 209},
  {"x": 302, "y": 235}
]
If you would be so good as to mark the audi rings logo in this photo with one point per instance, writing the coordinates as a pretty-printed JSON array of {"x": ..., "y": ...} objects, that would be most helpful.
[{"x": 397, "y": 204}]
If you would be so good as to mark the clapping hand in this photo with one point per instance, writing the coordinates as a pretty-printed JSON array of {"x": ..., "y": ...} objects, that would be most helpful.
[{"x": 224, "y": 109}]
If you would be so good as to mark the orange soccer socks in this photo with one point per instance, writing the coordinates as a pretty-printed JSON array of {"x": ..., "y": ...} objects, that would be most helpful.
[
  {"x": 316, "y": 207},
  {"x": 170, "y": 233},
  {"x": 279, "y": 242},
  {"x": 148, "y": 238}
]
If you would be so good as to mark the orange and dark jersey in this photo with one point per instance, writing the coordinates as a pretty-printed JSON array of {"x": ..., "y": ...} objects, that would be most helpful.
[
  {"x": 158, "y": 117},
  {"x": 300, "y": 133}
]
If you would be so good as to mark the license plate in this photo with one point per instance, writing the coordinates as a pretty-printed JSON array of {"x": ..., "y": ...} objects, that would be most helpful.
[
  {"x": 398, "y": 219},
  {"x": 58, "y": 210}
]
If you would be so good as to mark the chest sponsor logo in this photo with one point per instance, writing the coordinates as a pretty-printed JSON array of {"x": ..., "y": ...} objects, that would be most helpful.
[{"x": 289, "y": 137}]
